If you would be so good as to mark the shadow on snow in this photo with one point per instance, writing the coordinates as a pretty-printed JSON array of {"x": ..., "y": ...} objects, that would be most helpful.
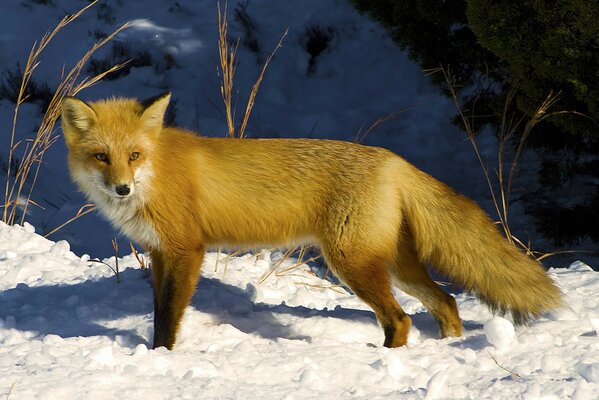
[{"x": 89, "y": 308}]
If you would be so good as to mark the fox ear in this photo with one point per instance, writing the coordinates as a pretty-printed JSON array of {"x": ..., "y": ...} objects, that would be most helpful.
[
  {"x": 154, "y": 109},
  {"x": 77, "y": 118}
]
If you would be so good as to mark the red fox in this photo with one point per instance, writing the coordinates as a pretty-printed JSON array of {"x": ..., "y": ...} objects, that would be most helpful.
[{"x": 377, "y": 219}]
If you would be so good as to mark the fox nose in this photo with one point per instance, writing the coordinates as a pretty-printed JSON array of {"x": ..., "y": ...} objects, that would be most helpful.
[{"x": 122, "y": 190}]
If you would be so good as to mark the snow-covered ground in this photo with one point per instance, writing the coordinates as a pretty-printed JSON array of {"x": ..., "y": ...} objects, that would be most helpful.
[{"x": 69, "y": 331}]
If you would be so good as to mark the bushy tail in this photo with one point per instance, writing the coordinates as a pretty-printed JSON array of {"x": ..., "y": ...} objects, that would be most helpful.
[{"x": 458, "y": 239}]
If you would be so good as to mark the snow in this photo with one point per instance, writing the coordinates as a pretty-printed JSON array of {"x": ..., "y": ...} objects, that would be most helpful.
[
  {"x": 68, "y": 330},
  {"x": 500, "y": 333}
]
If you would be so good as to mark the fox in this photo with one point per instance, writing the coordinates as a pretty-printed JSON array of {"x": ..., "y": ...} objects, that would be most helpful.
[{"x": 379, "y": 221}]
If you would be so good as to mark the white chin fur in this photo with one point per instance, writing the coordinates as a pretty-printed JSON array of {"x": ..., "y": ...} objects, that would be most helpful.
[{"x": 121, "y": 211}]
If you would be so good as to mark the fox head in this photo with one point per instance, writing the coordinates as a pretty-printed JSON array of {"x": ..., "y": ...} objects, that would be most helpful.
[{"x": 110, "y": 143}]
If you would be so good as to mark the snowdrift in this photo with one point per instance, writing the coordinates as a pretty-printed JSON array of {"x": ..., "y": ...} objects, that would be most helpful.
[{"x": 68, "y": 330}]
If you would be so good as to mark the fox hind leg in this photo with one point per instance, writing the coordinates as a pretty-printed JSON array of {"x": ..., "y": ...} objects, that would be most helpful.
[
  {"x": 369, "y": 280},
  {"x": 413, "y": 278}
]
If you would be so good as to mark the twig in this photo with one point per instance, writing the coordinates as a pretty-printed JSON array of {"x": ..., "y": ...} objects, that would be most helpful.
[
  {"x": 115, "y": 246},
  {"x": 114, "y": 269},
  {"x": 140, "y": 259},
  {"x": 95, "y": 260},
  {"x": 381, "y": 120},
  {"x": 254, "y": 92},
  {"x": 268, "y": 273},
  {"x": 217, "y": 259},
  {"x": 512, "y": 373},
  {"x": 85, "y": 209},
  {"x": 10, "y": 390}
]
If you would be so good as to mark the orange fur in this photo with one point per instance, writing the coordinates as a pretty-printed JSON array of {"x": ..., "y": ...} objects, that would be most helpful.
[{"x": 377, "y": 218}]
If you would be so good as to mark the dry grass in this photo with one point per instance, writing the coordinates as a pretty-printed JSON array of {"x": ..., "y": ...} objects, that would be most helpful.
[
  {"x": 301, "y": 252},
  {"x": 361, "y": 134},
  {"x": 16, "y": 194},
  {"x": 254, "y": 92},
  {"x": 227, "y": 258},
  {"x": 513, "y": 374},
  {"x": 275, "y": 267},
  {"x": 226, "y": 71},
  {"x": 140, "y": 259},
  {"x": 228, "y": 62},
  {"x": 114, "y": 269},
  {"x": 274, "y": 270},
  {"x": 10, "y": 390},
  {"x": 296, "y": 269},
  {"x": 85, "y": 209},
  {"x": 509, "y": 126}
]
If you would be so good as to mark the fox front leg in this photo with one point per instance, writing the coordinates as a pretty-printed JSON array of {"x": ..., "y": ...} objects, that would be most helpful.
[{"x": 174, "y": 279}]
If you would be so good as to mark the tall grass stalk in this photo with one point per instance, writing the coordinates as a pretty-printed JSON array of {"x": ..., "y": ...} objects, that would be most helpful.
[
  {"x": 16, "y": 195},
  {"x": 226, "y": 71},
  {"x": 361, "y": 135},
  {"x": 508, "y": 127},
  {"x": 85, "y": 209},
  {"x": 228, "y": 63}
]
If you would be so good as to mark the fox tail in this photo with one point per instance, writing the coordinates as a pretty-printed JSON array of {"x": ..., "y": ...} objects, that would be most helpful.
[{"x": 458, "y": 239}]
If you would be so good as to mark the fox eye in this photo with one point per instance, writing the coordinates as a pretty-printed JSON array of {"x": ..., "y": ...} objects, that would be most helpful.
[
  {"x": 134, "y": 156},
  {"x": 101, "y": 157}
]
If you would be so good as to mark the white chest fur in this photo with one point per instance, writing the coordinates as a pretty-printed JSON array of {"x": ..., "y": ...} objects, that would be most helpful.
[{"x": 125, "y": 215}]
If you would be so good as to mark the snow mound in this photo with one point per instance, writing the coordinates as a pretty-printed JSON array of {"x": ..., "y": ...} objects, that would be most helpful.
[
  {"x": 500, "y": 332},
  {"x": 291, "y": 334}
]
